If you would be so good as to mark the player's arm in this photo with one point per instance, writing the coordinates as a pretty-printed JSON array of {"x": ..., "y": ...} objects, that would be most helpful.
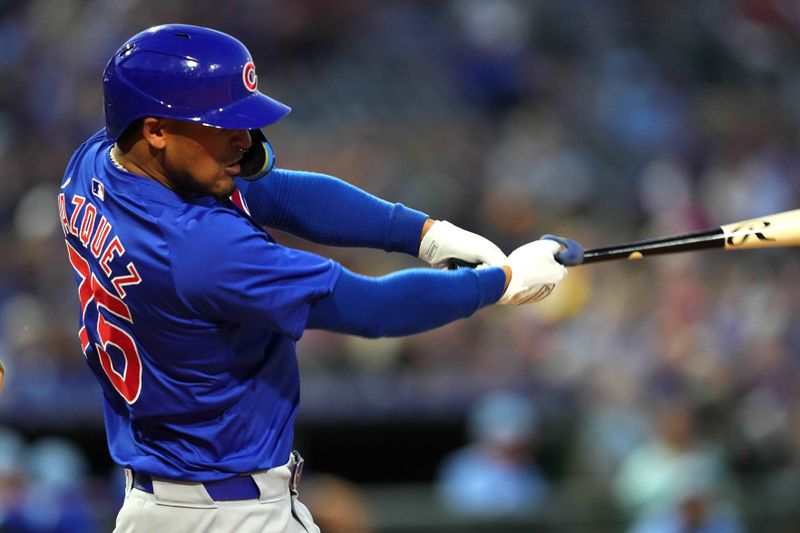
[
  {"x": 260, "y": 282},
  {"x": 416, "y": 300},
  {"x": 327, "y": 210},
  {"x": 405, "y": 302}
]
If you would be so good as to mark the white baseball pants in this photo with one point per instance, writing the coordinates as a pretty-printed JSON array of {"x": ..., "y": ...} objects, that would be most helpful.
[{"x": 180, "y": 507}]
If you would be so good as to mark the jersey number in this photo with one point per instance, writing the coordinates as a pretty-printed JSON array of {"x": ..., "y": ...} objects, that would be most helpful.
[{"x": 129, "y": 382}]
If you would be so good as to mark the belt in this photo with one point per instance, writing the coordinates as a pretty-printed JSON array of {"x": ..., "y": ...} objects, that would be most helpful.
[
  {"x": 234, "y": 488},
  {"x": 241, "y": 487}
]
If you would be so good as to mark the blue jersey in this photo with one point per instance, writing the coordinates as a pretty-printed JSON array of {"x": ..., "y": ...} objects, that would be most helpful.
[{"x": 189, "y": 314}]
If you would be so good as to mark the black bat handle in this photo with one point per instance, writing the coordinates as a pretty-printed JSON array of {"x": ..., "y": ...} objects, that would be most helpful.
[
  {"x": 455, "y": 264},
  {"x": 684, "y": 242},
  {"x": 570, "y": 255}
]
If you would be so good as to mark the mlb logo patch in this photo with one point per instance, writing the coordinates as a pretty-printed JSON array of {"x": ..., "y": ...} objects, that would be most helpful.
[{"x": 98, "y": 189}]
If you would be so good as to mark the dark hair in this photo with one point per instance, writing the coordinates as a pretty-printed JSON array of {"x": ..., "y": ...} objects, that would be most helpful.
[{"x": 130, "y": 134}]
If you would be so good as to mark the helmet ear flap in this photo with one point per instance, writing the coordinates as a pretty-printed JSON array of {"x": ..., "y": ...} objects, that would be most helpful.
[{"x": 259, "y": 159}]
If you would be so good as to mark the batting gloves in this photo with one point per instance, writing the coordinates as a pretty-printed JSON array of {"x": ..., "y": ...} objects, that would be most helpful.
[
  {"x": 534, "y": 272},
  {"x": 445, "y": 241}
]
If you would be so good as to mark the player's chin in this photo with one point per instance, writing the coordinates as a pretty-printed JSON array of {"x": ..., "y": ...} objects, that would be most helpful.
[{"x": 224, "y": 187}]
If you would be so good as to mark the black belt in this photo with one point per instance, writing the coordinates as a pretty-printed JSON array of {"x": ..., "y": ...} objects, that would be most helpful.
[{"x": 241, "y": 487}]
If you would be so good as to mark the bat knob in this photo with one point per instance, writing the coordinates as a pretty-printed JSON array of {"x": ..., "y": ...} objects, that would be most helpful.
[{"x": 571, "y": 255}]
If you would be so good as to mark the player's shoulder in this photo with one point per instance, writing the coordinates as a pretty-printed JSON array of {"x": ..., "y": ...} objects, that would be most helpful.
[
  {"x": 209, "y": 224},
  {"x": 203, "y": 214},
  {"x": 205, "y": 241},
  {"x": 85, "y": 154},
  {"x": 90, "y": 145}
]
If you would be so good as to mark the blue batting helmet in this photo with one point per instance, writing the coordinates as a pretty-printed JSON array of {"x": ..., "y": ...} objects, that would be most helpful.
[{"x": 187, "y": 73}]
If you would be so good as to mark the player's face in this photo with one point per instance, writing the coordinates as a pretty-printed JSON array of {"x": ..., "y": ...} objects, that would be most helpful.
[{"x": 202, "y": 159}]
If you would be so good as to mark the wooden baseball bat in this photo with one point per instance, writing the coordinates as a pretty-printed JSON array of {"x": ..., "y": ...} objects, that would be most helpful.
[{"x": 770, "y": 231}]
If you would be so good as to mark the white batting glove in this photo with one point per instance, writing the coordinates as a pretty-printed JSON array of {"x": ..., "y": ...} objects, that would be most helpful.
[
  {"x": 534, "y": 272},
  {"x": 445, "y": 241}
]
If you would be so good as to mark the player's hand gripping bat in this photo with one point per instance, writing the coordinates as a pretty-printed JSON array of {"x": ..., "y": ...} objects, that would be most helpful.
[{"x": 770, "y": 231}]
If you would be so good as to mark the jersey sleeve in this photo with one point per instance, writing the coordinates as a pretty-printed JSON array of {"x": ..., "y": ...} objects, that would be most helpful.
[
  {"x": 227, "y": 269},
  {"x": 327, "y": 210}
]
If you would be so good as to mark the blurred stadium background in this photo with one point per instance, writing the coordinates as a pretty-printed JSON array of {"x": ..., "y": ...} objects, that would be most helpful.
[{"x": 640, "y": 396}]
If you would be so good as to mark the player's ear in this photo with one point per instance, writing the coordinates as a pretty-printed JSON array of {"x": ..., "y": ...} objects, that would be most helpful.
[{"x": 153, "y": 131}]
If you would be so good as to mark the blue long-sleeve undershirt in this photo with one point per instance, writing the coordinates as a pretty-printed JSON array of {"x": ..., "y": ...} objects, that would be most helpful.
[
  {"x": 327, "y": 210},
  {"x": 405, "y": 302}
]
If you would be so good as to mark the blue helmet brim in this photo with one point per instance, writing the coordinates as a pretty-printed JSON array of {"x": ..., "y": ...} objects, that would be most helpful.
[
  {"x": 255, "y": 111},
  {"x": 252, "y": 112}
]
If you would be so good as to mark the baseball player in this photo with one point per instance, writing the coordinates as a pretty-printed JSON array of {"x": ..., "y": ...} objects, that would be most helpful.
[{"x": 189, "y": 309}]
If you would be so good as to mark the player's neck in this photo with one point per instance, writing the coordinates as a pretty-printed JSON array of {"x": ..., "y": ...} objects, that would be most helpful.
[{"x": 134, "y": 163}]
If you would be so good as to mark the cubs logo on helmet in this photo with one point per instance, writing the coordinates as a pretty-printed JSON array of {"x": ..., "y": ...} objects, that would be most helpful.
[{"x": 249, "y": 76}]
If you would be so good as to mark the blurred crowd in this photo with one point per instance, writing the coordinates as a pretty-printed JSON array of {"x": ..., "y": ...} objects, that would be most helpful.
[{"x": 604, "y": 121}]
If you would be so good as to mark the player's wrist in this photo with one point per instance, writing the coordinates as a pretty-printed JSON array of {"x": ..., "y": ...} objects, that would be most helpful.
[
  {"x": 433, "y": 241},
  {"x": 508, "y": 272},
  {"x": 426, "y": 226}
]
